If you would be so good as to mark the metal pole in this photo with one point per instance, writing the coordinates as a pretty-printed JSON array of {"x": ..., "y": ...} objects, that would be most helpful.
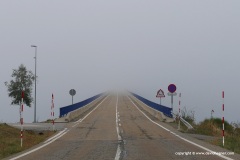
[
  {"x": 35, "y": 99},
  {"x": 172, "y": 102},
  {"x": 35, "y": 108},
  {"x": 223, "y": 116},
  {"x": 160, "y": 101},
  {"x": 72, "y": 99}
]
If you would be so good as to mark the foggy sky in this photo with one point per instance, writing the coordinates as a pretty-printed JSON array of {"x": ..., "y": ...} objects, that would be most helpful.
[{"x": 143, "y": 46}]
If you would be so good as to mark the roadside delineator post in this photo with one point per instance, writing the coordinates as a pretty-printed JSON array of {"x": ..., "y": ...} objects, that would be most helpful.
[
  {"x": 52, "y": 113},
  {"x": 223, "y": 117},
  {"x": 21, "y": 119},
  {"x": 179, "y": 105}
]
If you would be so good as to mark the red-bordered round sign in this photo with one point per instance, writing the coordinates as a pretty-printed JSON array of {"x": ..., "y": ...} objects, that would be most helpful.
[{"x": 172, "y": 88}]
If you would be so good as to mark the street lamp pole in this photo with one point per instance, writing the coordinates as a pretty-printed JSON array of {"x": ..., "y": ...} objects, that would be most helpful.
[{"x": 35, "y": 99}]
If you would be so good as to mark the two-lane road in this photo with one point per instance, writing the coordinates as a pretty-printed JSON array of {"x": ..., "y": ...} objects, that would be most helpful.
[{"x": 115, "y": 129}]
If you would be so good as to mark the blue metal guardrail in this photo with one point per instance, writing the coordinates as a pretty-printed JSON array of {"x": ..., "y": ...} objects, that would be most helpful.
[
  {"x": 165, "y": 110},
  {"x": 65, "y": 110}
]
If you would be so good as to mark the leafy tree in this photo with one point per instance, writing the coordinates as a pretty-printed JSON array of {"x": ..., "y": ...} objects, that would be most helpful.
[{"x": 22, "y": 81}]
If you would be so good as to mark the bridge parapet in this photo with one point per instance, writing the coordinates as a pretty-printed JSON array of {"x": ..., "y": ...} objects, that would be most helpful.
[
  {"x": 165, "y": 112},
  {"x": 65, "y": 110}
]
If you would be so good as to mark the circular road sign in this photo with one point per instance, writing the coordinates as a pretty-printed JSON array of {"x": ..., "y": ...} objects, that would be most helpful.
[
  {"x": 172, "y": 88},
  {"x": 72, "y": 92}
]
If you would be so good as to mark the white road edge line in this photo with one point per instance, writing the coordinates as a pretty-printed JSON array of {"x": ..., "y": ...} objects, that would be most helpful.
[
  {"x": 85, "y": 106},
  {"x": 24, "y": 154},
  {"x": 54, "y": 138},
  {"x": 61, "y": 132},
  {"x": 80, "y": 120},
  {"x": 195, "y": 144},
  {"x": 117, "y": 157}
]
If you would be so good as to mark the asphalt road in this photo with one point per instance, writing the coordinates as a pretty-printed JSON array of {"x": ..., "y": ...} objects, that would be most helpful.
[{"x": 117, "y": 128}]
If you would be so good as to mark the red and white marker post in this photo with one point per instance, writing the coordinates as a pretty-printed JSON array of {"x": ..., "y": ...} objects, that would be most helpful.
[
  {"x": 179, "y": 106},
  {"x": 223, "y": 117},
  {"x": 21, "y": 119},
  {"x": 52, "y": 112}
]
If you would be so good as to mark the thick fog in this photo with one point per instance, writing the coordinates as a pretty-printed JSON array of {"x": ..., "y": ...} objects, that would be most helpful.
[{"x": 138, "y": 45}]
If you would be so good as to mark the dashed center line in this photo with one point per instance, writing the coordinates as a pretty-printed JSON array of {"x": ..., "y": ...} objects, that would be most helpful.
[{"x": 118, "y": 154}]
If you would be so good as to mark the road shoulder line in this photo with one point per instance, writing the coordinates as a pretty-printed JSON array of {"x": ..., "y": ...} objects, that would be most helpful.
[
  {"x": 80, "y": 120},
  {"x": 49, "y": 142},
  {"x": 57, "y": 136},
  {"x": 195, "y": 144}
]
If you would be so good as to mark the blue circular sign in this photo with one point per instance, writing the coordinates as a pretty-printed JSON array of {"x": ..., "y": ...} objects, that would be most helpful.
[{"x": 172, "y": 88}]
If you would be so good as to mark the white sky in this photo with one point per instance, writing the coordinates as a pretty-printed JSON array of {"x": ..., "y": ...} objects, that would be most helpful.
[{"x": 139, "y": 45}]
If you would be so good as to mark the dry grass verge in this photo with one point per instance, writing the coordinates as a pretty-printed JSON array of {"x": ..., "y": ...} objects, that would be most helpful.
[
  {"x": 10, "y": 139},
  {"x": 213, "y": 127}
]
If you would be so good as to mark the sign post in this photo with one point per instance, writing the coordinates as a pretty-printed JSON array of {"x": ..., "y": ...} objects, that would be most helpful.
[
  {"x": 160, "y": 94},
  {"x": 212, "y": 111},
  {"x": 172, "y": 92},
  {"x": 72, "y": 92}
]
